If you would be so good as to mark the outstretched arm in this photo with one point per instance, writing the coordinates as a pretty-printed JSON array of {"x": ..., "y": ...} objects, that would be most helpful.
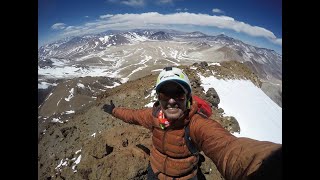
[
  {"x": 141, "y": 117},
  {"x": 235, "y": 158}
]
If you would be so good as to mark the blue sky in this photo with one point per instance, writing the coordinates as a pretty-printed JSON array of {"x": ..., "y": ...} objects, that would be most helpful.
[{"x": 255, "y": 22}]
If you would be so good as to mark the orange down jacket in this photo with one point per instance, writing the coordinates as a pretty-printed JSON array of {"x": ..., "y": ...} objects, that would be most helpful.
[{"x": 235, "y": 158}]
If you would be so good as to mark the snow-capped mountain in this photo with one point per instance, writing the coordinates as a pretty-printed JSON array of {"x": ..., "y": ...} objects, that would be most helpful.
[
  {"x": 160, "y": 35},
  {"x": 79, "y": 46},
  {"x": 129, "y": 55},
  {"x": 264, "y": 62},
  {"x": 195, "y": 34},
  {"x": 194, "y": 46}
]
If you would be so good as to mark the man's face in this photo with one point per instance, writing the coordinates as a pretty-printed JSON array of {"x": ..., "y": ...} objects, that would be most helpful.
[{"x": 173, "y": 100}]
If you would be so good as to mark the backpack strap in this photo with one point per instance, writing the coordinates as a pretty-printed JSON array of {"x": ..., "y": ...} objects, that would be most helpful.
[
  {"x": 191, "y": 146},
  {"x": 202, "y": 114}
]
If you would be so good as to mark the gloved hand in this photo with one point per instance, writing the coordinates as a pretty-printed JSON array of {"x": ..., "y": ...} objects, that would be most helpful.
[{"x": 108, "y": 108}]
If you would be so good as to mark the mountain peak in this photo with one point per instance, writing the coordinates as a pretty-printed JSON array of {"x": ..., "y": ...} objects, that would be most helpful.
[
  {"x": 160, "y": 35},
  {"x": 223, "y": 36},
  {"x": 196, "y": 34}
]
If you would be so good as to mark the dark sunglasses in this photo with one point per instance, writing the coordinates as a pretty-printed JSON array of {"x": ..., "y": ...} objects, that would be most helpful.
[{"x": 177, "y": 97}]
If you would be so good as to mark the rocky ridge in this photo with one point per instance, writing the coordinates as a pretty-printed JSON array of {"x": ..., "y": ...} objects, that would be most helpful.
[{"x": 94, "y": 145}]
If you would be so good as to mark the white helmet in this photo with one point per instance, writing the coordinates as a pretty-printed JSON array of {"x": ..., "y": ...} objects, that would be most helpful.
[{"x": 176, "y": 75}]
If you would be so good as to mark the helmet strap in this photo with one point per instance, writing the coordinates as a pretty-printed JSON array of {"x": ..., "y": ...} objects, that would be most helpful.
[{"x": 189, "y": 101}]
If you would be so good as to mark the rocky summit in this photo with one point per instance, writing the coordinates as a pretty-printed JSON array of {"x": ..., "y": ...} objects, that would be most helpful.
[{"x": 91, "y": 144}]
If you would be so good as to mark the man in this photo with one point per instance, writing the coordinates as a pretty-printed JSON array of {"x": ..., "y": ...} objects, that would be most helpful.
[{"x": 170, "y": 157}]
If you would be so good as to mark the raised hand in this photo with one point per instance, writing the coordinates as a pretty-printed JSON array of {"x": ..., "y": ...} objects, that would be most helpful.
[{"x": 108, "y": 107}]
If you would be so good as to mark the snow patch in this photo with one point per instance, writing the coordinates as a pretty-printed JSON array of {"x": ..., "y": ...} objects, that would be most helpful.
[
  {"x": 70, "y": 112},
  {"x": 153, "y": 98},
  {"x": 156, "y": 70},
  {"x": 215, "y": 63},
  {"x": 258, "y": 116},
  {"x": 78, "y": 151},
  {"x": 78, "y": 160},
  {"x": 59, "y": 101},
  {"x": 56, "y": 120},
  {"x": 70, "y": 95},
  {"x": 104, "y": 39},
  {"x": 45, "y": 85},
  {"x": 80, "y": 85},
  {"x": 192, "y": 67},
  {"x": 48, "y": 97},
  {"x": 115, "y": 84}
]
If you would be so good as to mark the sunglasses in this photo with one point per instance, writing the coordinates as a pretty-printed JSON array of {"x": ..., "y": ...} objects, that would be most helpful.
[{"x": 175, "y": 96}]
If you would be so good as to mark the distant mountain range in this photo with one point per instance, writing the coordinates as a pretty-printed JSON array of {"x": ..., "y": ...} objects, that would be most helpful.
[
  {"x": 128, "y": 55},
  {"x": 264, "y": 62}
]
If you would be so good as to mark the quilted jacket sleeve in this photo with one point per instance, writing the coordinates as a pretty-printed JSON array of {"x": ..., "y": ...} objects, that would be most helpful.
[
  {"x": 141, "y": 117},
  {"x": 235, "y": 158}
]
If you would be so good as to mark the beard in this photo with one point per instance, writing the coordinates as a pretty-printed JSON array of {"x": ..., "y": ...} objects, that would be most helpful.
[{"x": 173, "y": 114}]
